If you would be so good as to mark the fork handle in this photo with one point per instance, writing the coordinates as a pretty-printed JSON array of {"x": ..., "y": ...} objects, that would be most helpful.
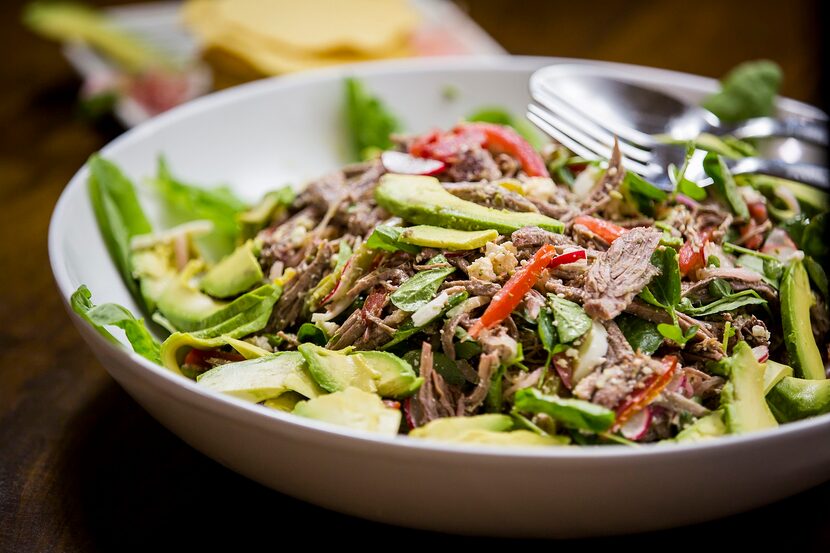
[
  {"x": 808, "y": 173},
  {"x": 814, "y": 132}
]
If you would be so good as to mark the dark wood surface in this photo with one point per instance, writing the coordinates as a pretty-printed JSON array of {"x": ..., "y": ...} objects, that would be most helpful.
[{"x": 83, "y": 468}]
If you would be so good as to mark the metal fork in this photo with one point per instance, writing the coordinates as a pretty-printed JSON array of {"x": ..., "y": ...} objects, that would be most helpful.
[{"x": 646, "y": 155}]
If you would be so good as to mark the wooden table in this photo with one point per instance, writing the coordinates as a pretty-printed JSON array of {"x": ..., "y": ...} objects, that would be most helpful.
[{"x": 83, "y": 468}]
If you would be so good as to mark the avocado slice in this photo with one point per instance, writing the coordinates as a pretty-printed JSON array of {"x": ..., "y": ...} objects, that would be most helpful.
[
  {"x": 743, "y": 395},
  {"x": 422, "y": 200},
  {"x": 397, "y": 377},
  {"x": 446, "y": 239},
  {"x": 796, "y": 300},
  {"x": 284, "y": 402},
  {"x": 450, "y": 428},
  {"x": 233, "y": 275},
  {"x": 263, "y": 378},
  {"x": 773, "y": 374},
  {"x": 371, "y": 371},
  {"x": 176, "y": 346},
  {"x": 710, "y": 426},
  {"x": 353, "y": 408},
  {"x": 335, "y": 371},
  {"x": 268, "y": 208},
  {"x": 794, "y": 399}
]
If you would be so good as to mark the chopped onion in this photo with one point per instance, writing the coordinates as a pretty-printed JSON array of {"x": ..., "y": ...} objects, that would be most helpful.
[
  {"x": 431, "y": 310},
  {"x": 399, "y": 162},
  {"x": 592, "y": 352}
]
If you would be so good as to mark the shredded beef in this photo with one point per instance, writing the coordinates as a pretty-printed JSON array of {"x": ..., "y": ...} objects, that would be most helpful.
[
  {"x": 489, "y": 195},
  {"x": 473, "y": 164},
  {"x": 621, "y": 273},
  {"x": 309, "y": 273}
]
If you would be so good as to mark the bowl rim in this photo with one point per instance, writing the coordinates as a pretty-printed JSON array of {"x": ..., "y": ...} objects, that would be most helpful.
[{"x": 177, "y": 388}]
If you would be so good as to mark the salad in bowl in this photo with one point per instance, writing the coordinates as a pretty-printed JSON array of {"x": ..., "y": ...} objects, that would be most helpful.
[{"x": 480, "y": 284}]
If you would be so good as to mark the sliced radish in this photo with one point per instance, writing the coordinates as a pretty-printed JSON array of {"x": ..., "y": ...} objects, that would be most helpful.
[
  {"x": 761, "y": 353},
  {"x": 399, "y": 162},
  {"x": 637, "y": 426}
]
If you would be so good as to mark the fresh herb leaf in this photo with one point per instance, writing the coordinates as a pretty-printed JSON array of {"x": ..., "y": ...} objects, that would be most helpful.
[
  {"x": 675, "y": 333},
  {"x": 111, "y": 314},
  {"x": 640, "y": 333},
  {"x": 368, "y": 120},
  {"x": 571, "y": 320},
  {"x": 501, "y": 116},
  {"x": 720, "y": 288},
  {"x": 817, "y": 274},
  {"x": 184, "y": 202},
  {"x": 664, "y": 288},
  {"x": 119, "y": 215},
  {"x": 639, "y": 185},
  {"x": 810, "y": 235},
  {"x": 727, "y": 303},
  {"x": 311, "y": 333},
  {"x": 419, "y": 289},
  {"x": 575, "y": 413},
  {"x": 747, "y": 91},
  {"x": 467, "y": 349},
  {"x": 385, "y": 237},
  {"x": 716, "y": 169}
]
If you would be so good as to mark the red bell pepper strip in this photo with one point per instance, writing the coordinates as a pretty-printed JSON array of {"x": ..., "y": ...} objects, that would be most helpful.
[
  {"x": 642, "y": 399},
  {"x": 690, "y": 258},
  {"x": 606, "y": 230},
  {"x": 446, "y": 146},
  {"x": 511, "y": 294},
  {"x": 504, "y": 139}
]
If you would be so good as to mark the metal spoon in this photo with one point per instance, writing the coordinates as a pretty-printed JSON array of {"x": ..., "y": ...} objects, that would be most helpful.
[{"x": 635, "y": 112}]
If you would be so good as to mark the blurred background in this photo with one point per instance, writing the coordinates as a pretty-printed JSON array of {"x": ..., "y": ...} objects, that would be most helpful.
[{"x": 62, "y": 483}]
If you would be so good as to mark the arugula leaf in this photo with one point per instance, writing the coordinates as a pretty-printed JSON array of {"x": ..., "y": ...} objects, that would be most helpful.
[
  {"x": 675, "y": 333},
  {"x": 309, "y": 332},
  {"x": 368, "y": 120},
  {"x": 665, "y": 287},
  {"x": 640, "y": 333},
  {"x": 810, "y": 235},
  {"x": 386, "y": 237},
  {"x": 119, "y": 215},
  {"x": 726, "y": 303},
  {"x": 728, "y": 332},
  {"x": 501, "y": 116},
  {"x": 575, "y": 413},
  {"x": 183, "y": 202},
  {"x": 571, "y": 320},
  {"x": 419, "y": 289},
  {"x": 442, "y": 364},
  {"x": 726, "y": 146},
  {"x": 111, "y": 314},
  {"x": 724, "y": 184},
  {"x": 747, "y": 91}
]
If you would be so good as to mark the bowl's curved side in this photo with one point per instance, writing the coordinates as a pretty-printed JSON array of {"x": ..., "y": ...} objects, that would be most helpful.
[
  {"x": 449, "y": 491},
  {"x": 479, "y": 491}
]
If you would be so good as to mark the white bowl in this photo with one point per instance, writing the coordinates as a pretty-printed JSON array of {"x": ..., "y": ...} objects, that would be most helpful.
[{"x": 264, "y": 134}]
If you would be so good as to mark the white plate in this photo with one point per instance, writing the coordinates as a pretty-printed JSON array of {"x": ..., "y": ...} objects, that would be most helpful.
[{"x": 264, "y": 134}]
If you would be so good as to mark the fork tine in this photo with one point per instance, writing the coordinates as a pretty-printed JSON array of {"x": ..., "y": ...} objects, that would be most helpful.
[
  {"x": 587, "y": 126},
  {"x": 578, "y": 143},
  {"x": 539, "y": 85}
]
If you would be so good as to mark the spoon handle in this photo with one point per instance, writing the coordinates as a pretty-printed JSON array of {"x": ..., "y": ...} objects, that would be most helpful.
[
  {"x": 814, "y": 132},
  {"x": 808, "y": 173}
]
